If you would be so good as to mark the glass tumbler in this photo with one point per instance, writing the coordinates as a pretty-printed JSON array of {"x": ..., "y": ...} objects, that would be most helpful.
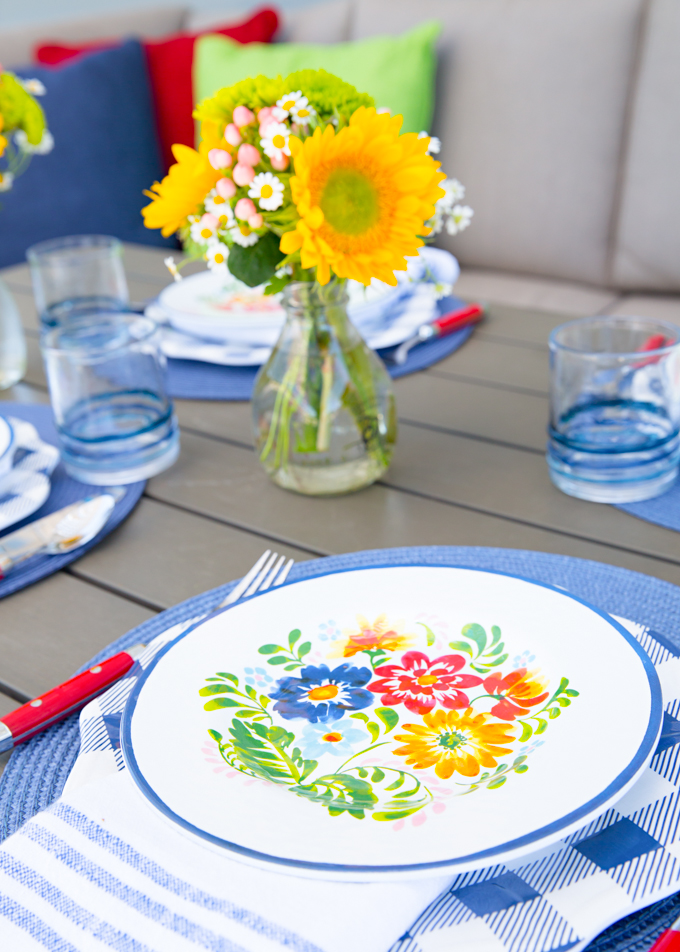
[
  {"x": 114, "y": 419},
  {"x": 76, "y": 274},
  {"x": 614, "y": 408}
]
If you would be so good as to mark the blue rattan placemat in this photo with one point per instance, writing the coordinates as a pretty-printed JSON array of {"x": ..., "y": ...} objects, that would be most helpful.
[
  {"x": 36, "y": 772},
  {"x": 663, "y": 510},
  {"x": 64, "y": 491},
  {"x": 195, "y": 380}
]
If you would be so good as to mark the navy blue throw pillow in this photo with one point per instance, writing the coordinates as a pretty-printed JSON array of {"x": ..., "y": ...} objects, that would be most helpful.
[{"x": 100, "y": 112}]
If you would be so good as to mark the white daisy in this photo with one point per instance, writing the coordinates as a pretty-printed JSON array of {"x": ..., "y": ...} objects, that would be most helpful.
[
  {"x": 216, "y": 256},
  {"x": 203, "y": 230},
  {"x": 434, "y": 146},
  {"x": 242, "y": 235},
  {"x": 275, "y": 142},
  {"x": 6, "y": 179},
  {"x": 33, "y": 86},
  {"x": 268, "y": 190},
  {"x": 45, "y": 145},
  {"x": 285, "y": 105},
  {"x": 459, "y": 219},
  {"x": 220, "y": 208},
  {"x": 302, "y": 113}
]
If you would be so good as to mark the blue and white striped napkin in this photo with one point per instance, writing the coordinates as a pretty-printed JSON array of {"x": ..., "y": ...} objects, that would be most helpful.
[{"x": 100, "y": 869}]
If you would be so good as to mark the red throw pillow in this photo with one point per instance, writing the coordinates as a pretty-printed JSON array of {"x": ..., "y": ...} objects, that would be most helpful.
[{"x": 169, "y": 62}]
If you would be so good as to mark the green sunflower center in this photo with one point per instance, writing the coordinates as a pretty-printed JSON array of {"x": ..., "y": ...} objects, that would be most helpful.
[
  {"x": 349, "y": 202},
  {"x": 451, "y": 741}
]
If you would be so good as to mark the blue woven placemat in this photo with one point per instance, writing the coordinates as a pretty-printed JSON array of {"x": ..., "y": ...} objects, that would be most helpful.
[
  {"x": 64, "y": 491},
  {"x": 36, "y": 772},
  {"x": 195, "y": 380},
  {"x": 664, "y": 510}
]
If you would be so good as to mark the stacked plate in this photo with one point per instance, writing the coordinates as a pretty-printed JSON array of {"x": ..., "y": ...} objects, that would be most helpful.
[
  {"x": 218, "y": 319},
  {"x": 26, "y": 463},
  {"x": 393, "y": 722}
]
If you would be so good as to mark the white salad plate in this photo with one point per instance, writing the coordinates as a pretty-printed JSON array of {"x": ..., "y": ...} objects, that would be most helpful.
[
  {"x": 393, "y": 722},
  {"x": 25, "y": 484},
  {"x": 223, "y": 309}
]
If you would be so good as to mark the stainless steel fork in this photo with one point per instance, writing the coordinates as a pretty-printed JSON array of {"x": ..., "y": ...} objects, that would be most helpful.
[{"x": 266, "y": 573}]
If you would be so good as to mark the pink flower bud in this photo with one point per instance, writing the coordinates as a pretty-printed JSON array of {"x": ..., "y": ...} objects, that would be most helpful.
[
  {"x": 210, "y": 221},
  {"x": 219, "y": 158},
  {"x": 225, "y": 188},
  {"x": 265, "y": 113},
  {"x": 256, "y": 221},
  {"x": 280, "y": 162},
  {"x": 248, "y": 155},
  {"x": 243, "y": 174},
  {"x": 232, "y": 135},
  {"x": 245, "y": 209},
  {"x": 243, "y": 116}
]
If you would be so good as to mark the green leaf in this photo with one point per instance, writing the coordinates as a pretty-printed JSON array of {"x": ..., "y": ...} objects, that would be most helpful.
[
  {"x": 246, "y": 712},
  {"x": 220, "y": 702},
  {"x": 521, "y": 769},
  {"x": 377, "y": 775},
  {"x": 431, "y": 637},
  {"x": 257, "y": 264},
  {"x": 373, "y": 730},
  {"x": 527, "y": 731},
  {"x": 264, "y": 700},
  {"x": 362, "y": 717},
  {"x": 388, "y": 716},
  {"x": 519, "y": 760},
  {"x": 292, "y": 667},
  {"x": 294, "y": 636},
  {"x": 309, "y": 766},
  {"x": 496, "y": 633},
  {"x": 279, "y": 659},
  {"x": 554, "y": 712},
  {"x": 219, "y": 688},
  {"x": 477, "y": 634},
  {"x": 276, "y": 285},
  {"x": 563, "y": 701},
  {"x": 304, "y": 649},
  {"x": 231, "y": 677},
  {"x": 494, "y": 784},
  {"x": 215, "y": 735},
  {"x": 461, "y": 646},
  {"x": 270, "y": 649},
  {"x": 571, "y": 692},
  {"x": 357, "y": 814},
  {"x": 494, "y": 651},
  {"x": 363, "y": 773},
  {"x": 251, "y": 692},
  {"x": 397, "y": 783},
  {"x": 541, "y": 725}
]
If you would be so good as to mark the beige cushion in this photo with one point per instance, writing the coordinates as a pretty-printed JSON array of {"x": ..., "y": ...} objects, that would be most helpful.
[
  {"x": 648, "y": 241},
  {"x": 531, "y": 103},
  {"x": 541, "y": 294},
  {"x": 322, "y": 23},
  {"x": 16, "y": 45}
]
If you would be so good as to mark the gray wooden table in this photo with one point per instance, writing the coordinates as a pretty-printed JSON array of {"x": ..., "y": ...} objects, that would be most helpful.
[{"x": 469, "y": 470}]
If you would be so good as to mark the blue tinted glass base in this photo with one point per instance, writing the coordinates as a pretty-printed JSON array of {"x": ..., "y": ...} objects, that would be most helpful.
[{"x": 632, "y": 484}]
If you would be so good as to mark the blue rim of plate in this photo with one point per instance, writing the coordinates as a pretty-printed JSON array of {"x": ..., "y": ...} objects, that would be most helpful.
[{"x": 586, "y": 810}]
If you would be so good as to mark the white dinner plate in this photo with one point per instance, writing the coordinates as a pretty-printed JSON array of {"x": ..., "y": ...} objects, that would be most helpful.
[{"x": 393, "y": 722}]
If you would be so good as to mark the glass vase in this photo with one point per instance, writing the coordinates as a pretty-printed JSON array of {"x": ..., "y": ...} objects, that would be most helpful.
[
  {"x": 324, "y": 414},
  {"x": 12, "y": 341}
]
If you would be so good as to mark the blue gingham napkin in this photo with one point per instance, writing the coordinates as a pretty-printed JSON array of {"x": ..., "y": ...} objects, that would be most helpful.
[{"x": 100, "y": 869}]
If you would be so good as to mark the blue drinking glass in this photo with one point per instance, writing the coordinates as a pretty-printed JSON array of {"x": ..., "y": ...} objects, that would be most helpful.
[
  {"x": 77, "y": 274},
  {"x": 106, "y": 375},
  {"x": 614, "y": 408}
]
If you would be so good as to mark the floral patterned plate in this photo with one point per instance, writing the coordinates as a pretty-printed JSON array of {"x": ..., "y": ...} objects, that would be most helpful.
[{"x": 393, "y": 722}]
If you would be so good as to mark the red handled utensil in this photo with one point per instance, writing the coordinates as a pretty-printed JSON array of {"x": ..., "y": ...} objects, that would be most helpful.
[
  {"x": 668, "y": 941},
  {"x": 34, "y": 716},
  {"x": 441, "y": 327}
]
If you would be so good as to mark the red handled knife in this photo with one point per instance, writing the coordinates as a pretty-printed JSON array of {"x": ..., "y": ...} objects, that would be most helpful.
[
  {"x": 446, "y": 324},
  {"x": 34, "y": 716}
]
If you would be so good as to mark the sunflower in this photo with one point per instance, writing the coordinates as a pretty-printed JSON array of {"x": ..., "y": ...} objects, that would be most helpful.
[
  {"x": 454, "y": 741},
  {"x": 363, "y": 196},
  {"x": 183, "y": 190}
]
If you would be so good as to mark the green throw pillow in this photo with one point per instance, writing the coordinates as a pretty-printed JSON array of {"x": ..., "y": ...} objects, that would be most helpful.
[{"x": 398, "y": 71}]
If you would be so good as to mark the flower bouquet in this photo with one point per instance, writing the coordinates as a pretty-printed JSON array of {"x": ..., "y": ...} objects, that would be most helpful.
[
  {"x": 298, "y": 185},
  {"x": 23, "y": 130}
]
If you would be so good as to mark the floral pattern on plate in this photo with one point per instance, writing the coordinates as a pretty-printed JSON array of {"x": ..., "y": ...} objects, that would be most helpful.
[{"x": 409, "y": 719}]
